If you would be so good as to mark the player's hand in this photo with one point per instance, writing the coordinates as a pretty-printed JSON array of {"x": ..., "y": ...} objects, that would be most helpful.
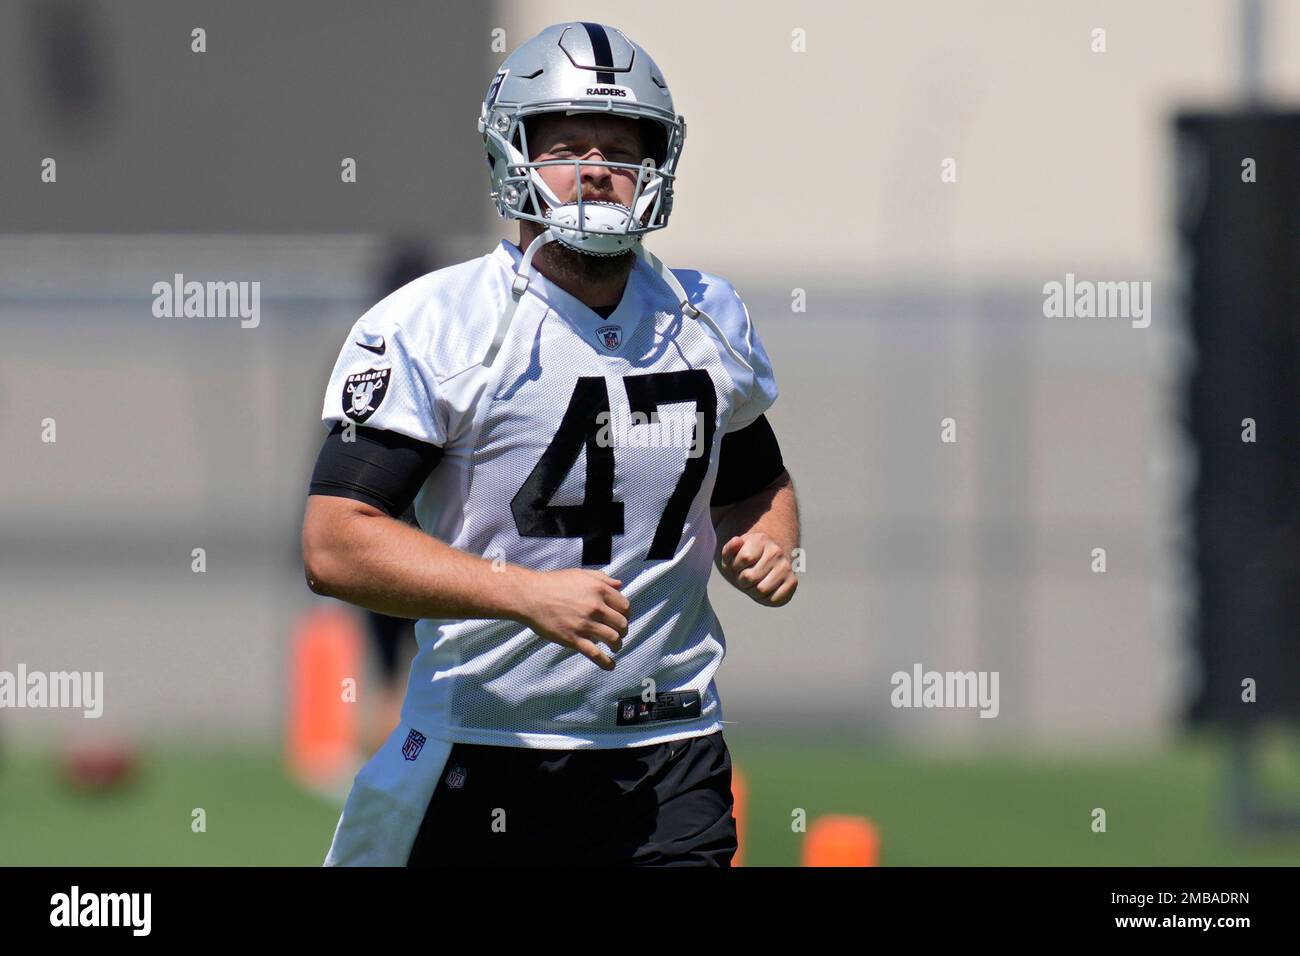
[
  {"x": 757, "y": 565},
  {"x": 579, "y": 609}
]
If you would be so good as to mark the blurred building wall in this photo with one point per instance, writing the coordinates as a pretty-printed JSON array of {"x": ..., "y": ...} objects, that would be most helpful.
[
  {"x": 250, "y": 135},
  {"x": 827, "y": 163},
  {"x": 816, "y": 171}
]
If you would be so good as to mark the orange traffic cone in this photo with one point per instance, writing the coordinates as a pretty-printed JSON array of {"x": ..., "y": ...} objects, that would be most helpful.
[
  {"x": 841, "y": 841},
  {"x": 327, "y": 652},
  {"x": 739, "y": 798}
]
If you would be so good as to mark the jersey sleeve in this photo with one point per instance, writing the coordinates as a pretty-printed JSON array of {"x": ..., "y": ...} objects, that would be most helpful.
[
  {"x": 761, "y": 391},
  {"x": 382, "y": 379}
]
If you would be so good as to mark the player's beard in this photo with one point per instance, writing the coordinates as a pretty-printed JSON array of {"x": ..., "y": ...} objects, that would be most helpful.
[{"x": 581, "y": 268}]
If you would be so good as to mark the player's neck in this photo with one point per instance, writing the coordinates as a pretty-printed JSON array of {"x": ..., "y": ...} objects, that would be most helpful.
[{"x": 595, "y": 281}]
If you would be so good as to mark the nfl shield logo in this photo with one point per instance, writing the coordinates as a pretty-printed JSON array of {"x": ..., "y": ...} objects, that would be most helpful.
[
  {"x": 629, "y": 711},
  {"x": 456, "y": 778},
  {"x": 414, "y": 743},
  {"x": 610, "y": 336}
]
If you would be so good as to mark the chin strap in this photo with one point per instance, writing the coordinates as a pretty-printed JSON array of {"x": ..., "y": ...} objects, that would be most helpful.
[
  {"x": 688, "y": 310},
  {"x": 520, "y": 285},
  {"x": 517, "y": 289}
]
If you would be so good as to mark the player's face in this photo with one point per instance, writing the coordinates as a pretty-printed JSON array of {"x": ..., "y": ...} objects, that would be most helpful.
[{"x": 615, "y": 139}]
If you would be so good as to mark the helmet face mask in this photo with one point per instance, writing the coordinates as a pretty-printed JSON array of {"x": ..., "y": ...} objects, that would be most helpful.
[{"x": 581, "y": 68}]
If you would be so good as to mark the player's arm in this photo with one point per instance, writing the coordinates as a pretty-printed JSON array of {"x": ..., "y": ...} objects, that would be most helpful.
[
  {"x": 355, "y": 549},
  {"x": 756, "y": 515}
]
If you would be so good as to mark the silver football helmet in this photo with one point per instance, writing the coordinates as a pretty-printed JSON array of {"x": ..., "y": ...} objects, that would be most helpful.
[{"x": 581, "y": 68}]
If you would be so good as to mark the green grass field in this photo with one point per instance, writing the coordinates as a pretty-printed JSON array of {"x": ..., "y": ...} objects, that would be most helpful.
[{"x": 1162, "y": 808}]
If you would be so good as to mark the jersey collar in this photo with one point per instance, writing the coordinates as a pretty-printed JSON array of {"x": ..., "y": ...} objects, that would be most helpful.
[{"x": 626, "y": 317}]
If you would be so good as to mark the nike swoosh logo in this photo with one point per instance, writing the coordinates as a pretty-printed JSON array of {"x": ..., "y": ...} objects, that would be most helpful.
[{"x": 377, "y": 349}]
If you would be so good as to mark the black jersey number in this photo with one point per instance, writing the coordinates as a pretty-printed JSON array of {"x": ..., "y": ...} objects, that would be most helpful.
[{"x": 600, "y": 517}]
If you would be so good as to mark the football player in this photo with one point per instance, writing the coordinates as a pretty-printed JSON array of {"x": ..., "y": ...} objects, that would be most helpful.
[{"x": 582, "y": 433}]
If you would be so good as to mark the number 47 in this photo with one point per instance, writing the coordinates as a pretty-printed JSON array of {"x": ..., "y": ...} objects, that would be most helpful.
[{"x": 600, "y": 517}]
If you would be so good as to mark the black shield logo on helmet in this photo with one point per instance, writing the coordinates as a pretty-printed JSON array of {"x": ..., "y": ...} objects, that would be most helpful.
[
  {"x": 495, "y": 89},
  {"x": 364, "y": 392}
]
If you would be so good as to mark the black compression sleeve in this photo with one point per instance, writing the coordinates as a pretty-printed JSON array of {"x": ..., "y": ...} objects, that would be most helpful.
[
  {"x": 749, "y": 461},
  {"x": 381, "y": 468}
]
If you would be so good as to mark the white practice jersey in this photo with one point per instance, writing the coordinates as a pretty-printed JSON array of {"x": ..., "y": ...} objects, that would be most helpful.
[{"x": 589, "y": 443}]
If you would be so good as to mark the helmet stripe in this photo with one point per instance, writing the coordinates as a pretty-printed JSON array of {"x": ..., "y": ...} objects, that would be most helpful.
[{"x": 600, "y": 51}]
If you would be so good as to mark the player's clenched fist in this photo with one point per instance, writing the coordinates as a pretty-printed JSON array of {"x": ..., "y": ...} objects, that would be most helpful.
[
  {"x": 757, "y": 565},
  {"x": 578, "y": 608}
]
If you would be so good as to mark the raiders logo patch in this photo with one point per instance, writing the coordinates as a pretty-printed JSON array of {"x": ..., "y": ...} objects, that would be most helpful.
[{"x": 363, "y": 392}]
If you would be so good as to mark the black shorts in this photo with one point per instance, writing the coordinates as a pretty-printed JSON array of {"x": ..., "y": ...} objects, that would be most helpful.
[
  {"x": 390, "y": 636},
  {"x": 660, "y": 805}
]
